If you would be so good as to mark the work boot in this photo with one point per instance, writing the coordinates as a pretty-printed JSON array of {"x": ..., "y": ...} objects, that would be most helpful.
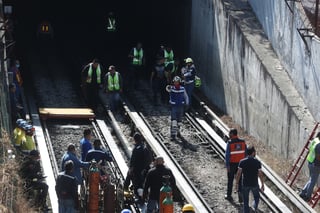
[
  {"x": 228, "y": 197},
  {"x": 240, "y": 197}
]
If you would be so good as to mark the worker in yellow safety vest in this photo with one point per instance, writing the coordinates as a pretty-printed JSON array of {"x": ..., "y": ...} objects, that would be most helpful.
[
  {"x": 313, "y": 159},
  {"x": 111, "y": 25},
  {"x": 168, "y": 55},
  {"x": 113, "y": 87},
  {"x": 137, "y": 62},
  {"x": 91, "y": 82},
  {"x": 20, "y": 134},
  {"x": 28, "y": 143}
]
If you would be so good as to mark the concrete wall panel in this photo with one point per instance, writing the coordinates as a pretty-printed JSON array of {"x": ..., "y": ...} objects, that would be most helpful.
[{"x": 243, "y": 76}]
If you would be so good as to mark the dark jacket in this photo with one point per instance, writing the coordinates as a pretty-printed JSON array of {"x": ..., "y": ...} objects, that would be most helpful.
[
  {"x": 66, "y": 186},
  {"x": 140, "y": 158},
  {"x": 155, "y": 180},
  {"x": 30, "y": 169}
]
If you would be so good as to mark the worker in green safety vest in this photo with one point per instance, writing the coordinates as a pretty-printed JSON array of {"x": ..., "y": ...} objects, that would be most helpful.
[
  {"x": 313, "y": 159},
  {"x": 137, "y": 62},
  {"x": 111, "y": 22},
  {"x": 91, "y": 82},
  {"x": 113, "y": 87}
]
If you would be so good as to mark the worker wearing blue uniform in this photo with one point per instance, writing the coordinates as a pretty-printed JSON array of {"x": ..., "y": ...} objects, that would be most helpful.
[
  {"x": 178, "y": 98},
  {"x": 67, "y": 189},
  {"x": 189, "y": 74},
  {"x": 99, "y": 155},
  {"x": 71, "y": 155},
  {"x": 85, "y": 144}
]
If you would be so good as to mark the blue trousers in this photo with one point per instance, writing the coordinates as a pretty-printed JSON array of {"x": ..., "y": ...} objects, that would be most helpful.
[
  {"x": 114, "y": 98},
  {"x": 314, "y": 172},
  {"x": 256, "y": 196},
  {"x": 66, "y": 206},
  {"x": 189, "y": 90},
  {"x": 152, "y": 206}
]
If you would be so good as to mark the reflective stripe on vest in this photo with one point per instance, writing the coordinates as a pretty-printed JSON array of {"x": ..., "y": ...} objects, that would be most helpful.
[
  {"x": 113, "y": 82},
  {"x": 237, "y": 151},
  {"x": 168, "y": 56},
  {"x": 111, "y": 24},
  {"x": 137, "y": 56},
  {"x": 312, "y": 154},
  {"x": 98, "y": 71}
]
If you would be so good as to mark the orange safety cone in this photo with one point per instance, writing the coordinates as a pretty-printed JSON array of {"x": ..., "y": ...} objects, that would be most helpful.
[
  {"x": 167, "y": 204},
  {"x": 164, "y": 191}
]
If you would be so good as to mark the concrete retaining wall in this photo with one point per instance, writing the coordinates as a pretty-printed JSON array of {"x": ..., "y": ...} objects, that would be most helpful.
[
  {"x": 281, "y": 23},
  {"x": 243, "y": 76}
]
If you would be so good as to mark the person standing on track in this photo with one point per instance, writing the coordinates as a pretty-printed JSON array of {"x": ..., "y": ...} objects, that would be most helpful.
[
  {"x": 113, "y": 87},
  {"x": 159, "y": 81},
  {"x": 137, "y": 62},
  {"x": 154, "y": 182},
  {"x": 250, "y": 168},
  {"x": 91, "y": 76},
  {"x": 71, "y": 155},
  {"x": 313, "y": 159},
  {"x": 85, "y": 144},
  {"x": 178, "y": 99},
  {"x": 67, "y": 189},
  {"x": 189, "y": 74},
  {"x": 235, "y": 151},
  {"x": 99, "y": 155},
  {"x": 139, "y": 165}
]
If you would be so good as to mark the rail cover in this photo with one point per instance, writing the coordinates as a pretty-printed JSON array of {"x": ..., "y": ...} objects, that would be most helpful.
[
  {"x": 182, "y": 184},
  {"x": 44, "y": 154},
  {"x": 66, "y": 113}
]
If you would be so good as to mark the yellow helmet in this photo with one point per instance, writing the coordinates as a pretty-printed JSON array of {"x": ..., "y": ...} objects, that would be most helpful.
[
  {"x": 189, "y": 60},
  {"x": 187, "y": 207}
]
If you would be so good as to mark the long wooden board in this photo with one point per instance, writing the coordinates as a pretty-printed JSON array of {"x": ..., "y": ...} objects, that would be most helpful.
[{"x": 66, "y": 113}]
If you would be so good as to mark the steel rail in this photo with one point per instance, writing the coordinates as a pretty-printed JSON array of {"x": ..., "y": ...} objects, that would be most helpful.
[
  {"x": 268, "y": 172},
  {"x": 182, "y": 181}
]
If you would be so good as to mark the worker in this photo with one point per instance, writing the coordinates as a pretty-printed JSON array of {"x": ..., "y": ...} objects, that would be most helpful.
[
  {"x": 17, "y": 128},
  {"x": 158, "y": 81},
  {"x": 235, "y": 151},
  {"x": 137, "y": 62},
  {"x": 31, "y": 172},
  {"x": 189, "y": 73},
  {"x": 17, "y": 110},
  {"x": 250, "y": 169},
  {"x": 20, "y": 134},
  {"x": 139, "y": 166},
  {"x": 78, "y": 164},
  {"x": 111, "y": 22},
  {"x": 113, "y": 87},
  {"x": 173, "y": 69},
  {"x": 168, "y": 55},
  {"x": 67, "y": 189},
  {"x": 91, "y": 76},
  {"x": 313, "y": 159},
  {"x": 28, "y": 144},
  {"x": 99, "y": 155},
  {"x": 178, "y": 99},
  {"x": 16, "y": 78},
  {"x": 188, "y": 208},
  {"x": 153, "y": 183},
  {"x": 85, "y": 144}
]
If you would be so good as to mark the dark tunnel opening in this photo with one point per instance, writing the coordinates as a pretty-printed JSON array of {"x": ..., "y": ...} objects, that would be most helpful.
[{"x": 80, "y": 28}]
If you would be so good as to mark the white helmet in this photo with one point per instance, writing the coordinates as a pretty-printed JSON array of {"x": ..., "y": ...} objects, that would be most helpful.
[
  {"x": 189, "y": 60},
  {"x": 176, "y": 79}
]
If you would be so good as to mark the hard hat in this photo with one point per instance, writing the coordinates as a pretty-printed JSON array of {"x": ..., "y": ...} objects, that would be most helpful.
[
  {"x": 28, "y": 127},
  {"x": 187, "y": 207},
  {"x": 189, "y": 60},
  {"x": 19, "y": 121},
  {"x": 125, "y": 211},
  {"x": 176, "y": 79},
  {"x": 23, "y": 124}
]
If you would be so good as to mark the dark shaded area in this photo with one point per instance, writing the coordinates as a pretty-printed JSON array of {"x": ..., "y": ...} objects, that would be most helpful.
[{"x": 80, "y": 28}]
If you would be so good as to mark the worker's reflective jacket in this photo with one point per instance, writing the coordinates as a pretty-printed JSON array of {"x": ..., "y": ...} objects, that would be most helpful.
[
  {"x": 137, "y": 56},
  {"x": 237, "y": 150},
  {"x": 312, "y": 154},
  {"x": 111, "y": 24},
  {"x": 98, "y": 71},
  {"x": 27, "y": 144},
  {"x": 168, "y": 56},
  {"x": 113, "y": 82}
]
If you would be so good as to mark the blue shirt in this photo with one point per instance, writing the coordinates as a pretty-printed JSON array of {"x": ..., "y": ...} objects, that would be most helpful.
[
  {"x": 77, "y": 164},
  {"x": 85, "y": 146}
]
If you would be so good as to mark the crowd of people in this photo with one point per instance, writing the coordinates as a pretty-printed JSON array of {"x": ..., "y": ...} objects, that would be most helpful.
[{"x": 113, "y": 82}]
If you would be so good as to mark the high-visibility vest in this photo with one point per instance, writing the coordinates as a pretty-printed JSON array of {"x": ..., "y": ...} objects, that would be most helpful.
[
  {"x": 111, "y": 24},
  {"x": 98, "y": 71},
  {"x": 27, "y": 144},
  {"x": 168, "y": 56},
  {"x": 113, "y": 82},
  {"x": 237, "y": 151},
  {"x": 312, "y": 154},
  {"x": 137, "y": 56}
]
